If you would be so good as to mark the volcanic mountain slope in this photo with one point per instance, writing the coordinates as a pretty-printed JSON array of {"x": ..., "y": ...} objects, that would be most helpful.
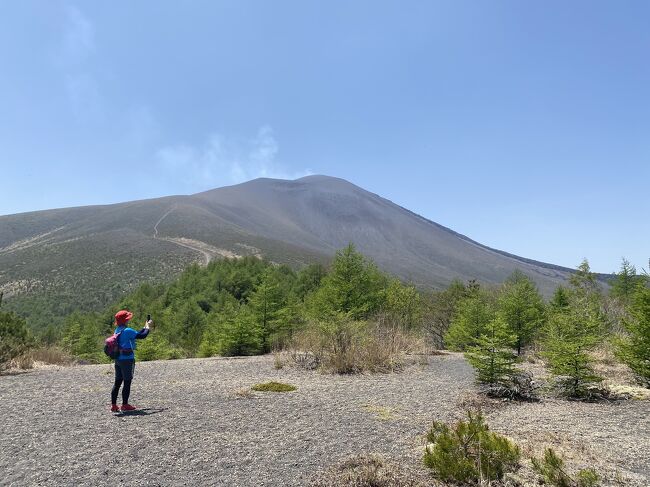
[{"x": 83, "y": 258}]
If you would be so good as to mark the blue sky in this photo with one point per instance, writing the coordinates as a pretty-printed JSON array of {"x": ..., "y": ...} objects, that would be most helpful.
[{"x": 523, "y": 125}]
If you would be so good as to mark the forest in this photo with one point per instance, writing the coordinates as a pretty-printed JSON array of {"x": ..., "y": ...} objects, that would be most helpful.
[{"x": 352, "y": 317}]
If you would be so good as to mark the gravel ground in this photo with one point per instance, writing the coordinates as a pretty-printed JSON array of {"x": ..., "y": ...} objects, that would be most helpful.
[
  {"x": 612, "y": 437},
  {"x": 201, "y": 426},
  {"x": 201, "y": 431}
]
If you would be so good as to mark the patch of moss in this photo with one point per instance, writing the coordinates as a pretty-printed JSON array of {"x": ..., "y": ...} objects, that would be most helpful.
[{"x": 273, "y": 387}]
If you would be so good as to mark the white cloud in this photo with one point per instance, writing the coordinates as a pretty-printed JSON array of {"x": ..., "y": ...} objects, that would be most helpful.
[
  {"x": 79, "y": 37},
  {"x": 225, "y": 161}
]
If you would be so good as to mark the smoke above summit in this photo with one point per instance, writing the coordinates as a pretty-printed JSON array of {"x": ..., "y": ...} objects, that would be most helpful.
[{"x": 223, "y": 160}]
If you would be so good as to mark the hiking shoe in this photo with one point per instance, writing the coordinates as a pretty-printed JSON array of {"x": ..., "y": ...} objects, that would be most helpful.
[
  {"x": 128, "y": 407},
  {"x": 114, "y": 408}
]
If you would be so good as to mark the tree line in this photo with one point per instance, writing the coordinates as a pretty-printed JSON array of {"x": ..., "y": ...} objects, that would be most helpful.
[
  {"x": 251, "y": 306},
  {"x": 493, "y": 326}
]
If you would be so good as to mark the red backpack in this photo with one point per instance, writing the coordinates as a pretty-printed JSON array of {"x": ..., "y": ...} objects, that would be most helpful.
[{"x": 112, "y": 345}]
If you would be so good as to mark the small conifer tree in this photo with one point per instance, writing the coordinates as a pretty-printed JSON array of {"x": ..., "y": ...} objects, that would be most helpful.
[
  {"x": 551, "y": 468},
  {"x": 492, "y": 356},
  {"x": 634, "y": 349},
  {"x": 626, "y": 281},
  {"x": 470, "y": 321},
  {"x": 522, "y": 308},
  {"x": 266, "y": 303},
  {"x": 560, "y": 300},
  {"x": 353, "y": 287},
  {"x": 469, "y": 452},
  {"x": 570, "y": 336}
]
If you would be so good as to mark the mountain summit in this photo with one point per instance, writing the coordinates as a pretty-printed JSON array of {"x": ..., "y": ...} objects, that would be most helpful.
[{"x": 90, "y": 255}]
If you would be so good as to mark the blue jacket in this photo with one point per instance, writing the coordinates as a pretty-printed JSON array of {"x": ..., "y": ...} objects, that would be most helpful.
[{"x": 127, "y": 341}]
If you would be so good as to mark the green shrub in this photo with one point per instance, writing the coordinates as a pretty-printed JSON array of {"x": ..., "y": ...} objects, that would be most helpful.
[
  {"x": 469, "y": 452},
  {"x": 154, "y": 347},
  {"x": 15, "y": 339},
  {"x": 274, "y": 387},
  {"x": 551, "y": 468},
  {"x": 83, "y": 337}
]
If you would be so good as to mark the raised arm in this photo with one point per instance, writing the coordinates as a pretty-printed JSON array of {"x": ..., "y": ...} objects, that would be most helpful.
[{"x": 144, "y": 332}]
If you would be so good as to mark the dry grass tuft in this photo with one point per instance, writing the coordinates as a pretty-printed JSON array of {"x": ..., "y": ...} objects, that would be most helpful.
[
  {"x": 23, "y": 362},
  {"x": 52, "y": 355},
  {"x": 382, "y": 413},
  {"x": 349, "y": 347},
  {"x": 48, "y": 355},
  {"x": 476, "y": 403},
  {"x": 370, "y": 471},
  {"x": 244, "y": 393},
  {"x": 280, "y": 360},
  {"x": 610, "y": 369}
]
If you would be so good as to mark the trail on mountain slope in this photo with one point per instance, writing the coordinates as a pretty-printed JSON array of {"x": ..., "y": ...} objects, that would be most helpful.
[
  {"x": 155, "y": 227},
  {"x": 31, "y": 241},
  {"x": 208, "y": 251}
]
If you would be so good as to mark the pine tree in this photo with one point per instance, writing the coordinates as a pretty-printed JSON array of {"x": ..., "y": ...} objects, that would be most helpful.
[
  {"x": 189, "y": 323},
  {"x": 584, "y": 281},
  {"x": 265, "y": 304},
  {"x": 308, "y": 280},
  {"x": 586, "y": 298},
  {"x": 440, "y": 308},
  {"x": 625, "y": 283},
  {"x": 290, "y": 318},
  {"x": 470, "y": 321},
  {"x": 522, "y": 308},
  {"x": 155, "y": 347},
  {"x": 14, "y": 337},
  {"x": 570, "y": 336},
  {"x": 560, "y": 300},
  {"x": 492, "y": 356},
  {"x": 353, "y": 287},
  {"x": 240, "y": 334},
  {"x": 403, "y": 304},
  {"x": 83, "y": 336},
  {"x": 634, "y": 349}
]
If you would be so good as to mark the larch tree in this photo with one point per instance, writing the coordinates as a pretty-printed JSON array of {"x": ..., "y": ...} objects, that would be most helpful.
[{"x": 522, "y": 308}]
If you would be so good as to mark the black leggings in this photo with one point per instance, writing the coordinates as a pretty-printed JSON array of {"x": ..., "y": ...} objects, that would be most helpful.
[{"x": 123, "y": 373}]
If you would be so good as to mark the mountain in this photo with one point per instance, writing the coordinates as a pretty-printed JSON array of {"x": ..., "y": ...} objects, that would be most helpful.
[{"x": 55, "y": 261}]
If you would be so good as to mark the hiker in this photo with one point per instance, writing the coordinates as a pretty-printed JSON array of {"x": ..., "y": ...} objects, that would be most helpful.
[{"x": 125, "y": 361}]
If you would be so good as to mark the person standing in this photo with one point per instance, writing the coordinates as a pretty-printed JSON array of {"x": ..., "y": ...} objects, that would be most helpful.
[{"x": 125, "y": 361}]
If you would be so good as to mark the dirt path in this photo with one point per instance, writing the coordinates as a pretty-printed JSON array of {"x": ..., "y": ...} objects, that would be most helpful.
[
  {"x": 155, "y": 227},
  {"x": 196, "y": 429},
  {"x": 207, "y": 256}
]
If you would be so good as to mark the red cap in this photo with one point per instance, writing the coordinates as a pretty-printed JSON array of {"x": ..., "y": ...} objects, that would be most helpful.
[{"x": 123, "y": 316}]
